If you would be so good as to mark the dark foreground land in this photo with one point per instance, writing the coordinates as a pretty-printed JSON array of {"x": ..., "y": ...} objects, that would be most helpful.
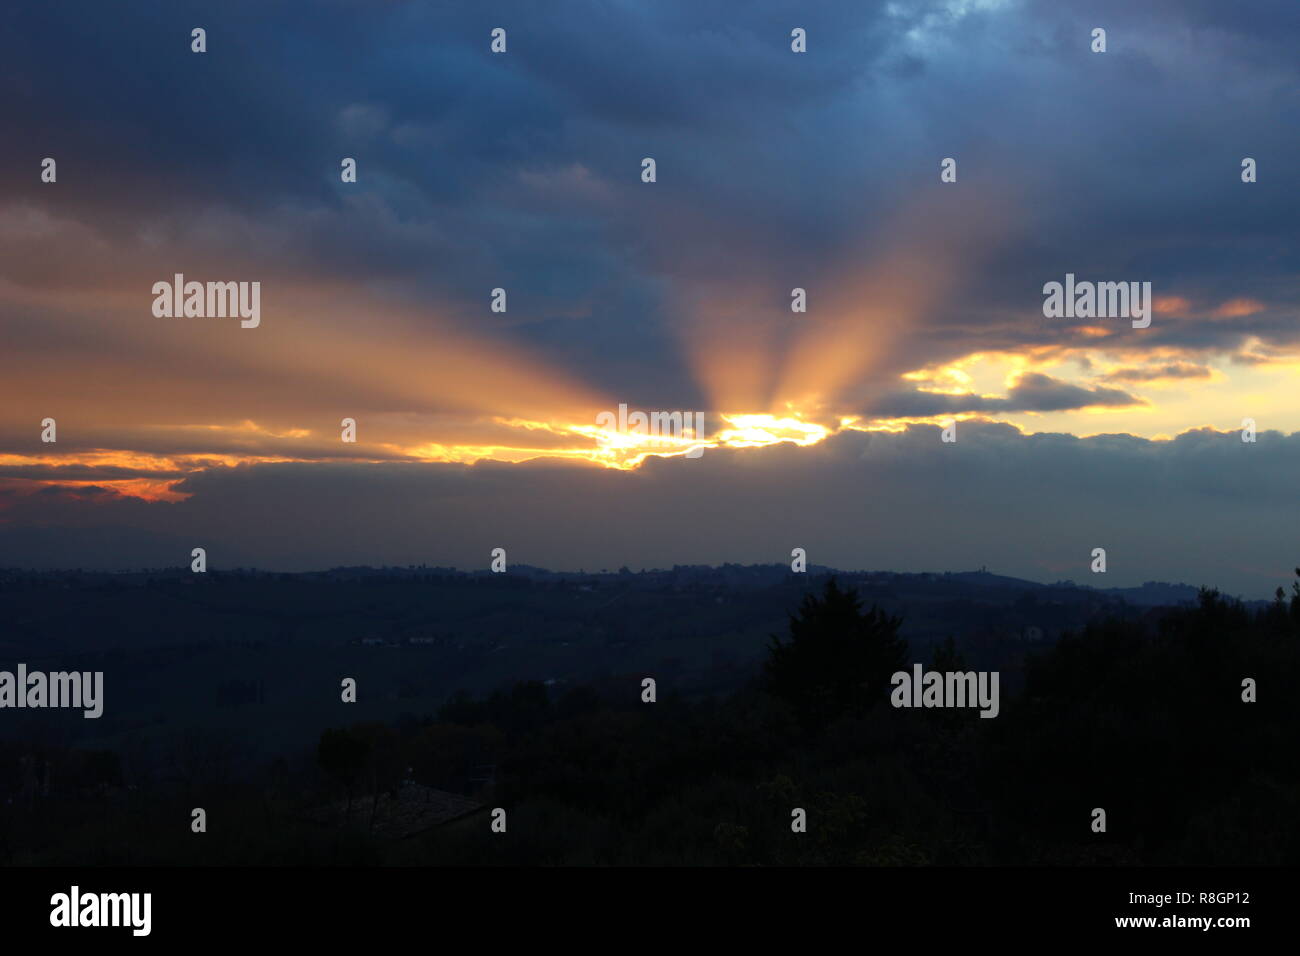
[{"x": 524, "y": 692}]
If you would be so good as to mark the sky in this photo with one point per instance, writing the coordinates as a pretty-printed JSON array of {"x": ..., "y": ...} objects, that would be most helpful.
[{"x": 775, "y": 170}]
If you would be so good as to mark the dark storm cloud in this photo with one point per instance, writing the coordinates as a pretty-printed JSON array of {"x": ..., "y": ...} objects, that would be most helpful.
[
  {"x": 1170, "y": 370},
  {"x": 1034, "y": 392},
  {"x": 522, "y": 170},
  {"x": 775, "y": 170},
  {"x": 73, "y": 491},
  {"x": 1190, "y": 509}
]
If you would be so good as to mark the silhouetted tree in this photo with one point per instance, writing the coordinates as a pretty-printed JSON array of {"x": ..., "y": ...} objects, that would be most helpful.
[
  {"x": 1295, "y": 602},
  {"x": 946, "y": 657},
  {"x": 342, "y": 754},
  {"x": 838, "y": 660},
  {"x": 383, "y": 761}
]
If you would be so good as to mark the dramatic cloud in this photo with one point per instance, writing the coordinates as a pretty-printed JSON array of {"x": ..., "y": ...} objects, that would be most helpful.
[
  {"x": 1171, "y": 370},
  {"x": 1033, "y": 392},
  {"x": 776, "y": 171},
  {"x": 1033, "y": 506}
]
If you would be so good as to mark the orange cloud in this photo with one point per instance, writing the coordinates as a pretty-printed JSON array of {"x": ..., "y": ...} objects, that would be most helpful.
[{"x": 1236, "y": 308}]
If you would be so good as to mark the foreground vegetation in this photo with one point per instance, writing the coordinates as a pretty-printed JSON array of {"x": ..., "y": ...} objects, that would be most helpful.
[{"x": 1143, "y": 717}]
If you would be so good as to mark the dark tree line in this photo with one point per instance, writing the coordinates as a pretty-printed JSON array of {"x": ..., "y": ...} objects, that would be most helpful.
[{"x": 1142, "y": 716}]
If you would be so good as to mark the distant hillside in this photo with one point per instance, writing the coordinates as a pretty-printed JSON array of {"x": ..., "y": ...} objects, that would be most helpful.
[{"x": 263, "y": 653}]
